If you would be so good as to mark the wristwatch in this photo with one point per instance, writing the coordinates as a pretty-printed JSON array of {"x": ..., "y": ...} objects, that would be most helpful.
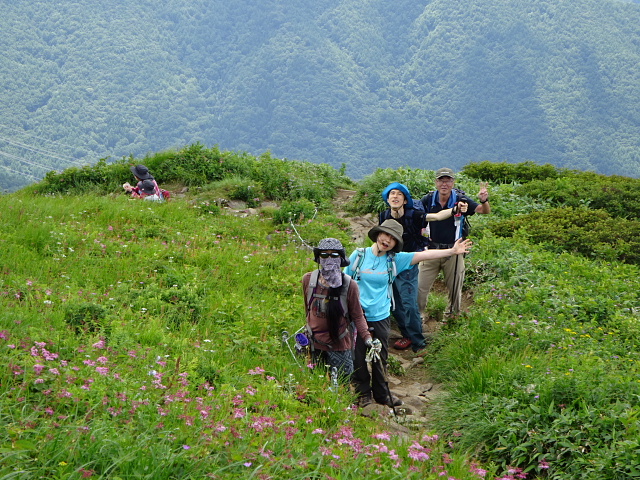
[{"x": 483, "y": 202}]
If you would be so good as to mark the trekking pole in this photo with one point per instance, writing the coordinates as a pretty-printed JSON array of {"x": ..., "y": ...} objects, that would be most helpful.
[
  {"x": 458, "y": 220},
  {"x": 334, "y": 379},
  {"x": 300, "y": 340},
  {"x": 373, "y": 355}
]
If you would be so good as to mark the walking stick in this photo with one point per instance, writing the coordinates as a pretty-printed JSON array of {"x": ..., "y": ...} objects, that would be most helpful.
[{"x": 458, "y": 220}]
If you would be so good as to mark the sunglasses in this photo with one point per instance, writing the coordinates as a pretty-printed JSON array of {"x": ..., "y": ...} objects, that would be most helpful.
[{"x": 329, "y": 255}]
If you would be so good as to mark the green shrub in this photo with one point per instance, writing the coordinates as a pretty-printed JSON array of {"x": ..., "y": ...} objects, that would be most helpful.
[
  {"x": 502, "y": 172},
  {"x": 588, "y": 232},
  {"x": 96, "y": 179},
  {"x": 197, "y": 165},
  {"x": 619, "y": 196},
  {"x": 295, "y": 211}
]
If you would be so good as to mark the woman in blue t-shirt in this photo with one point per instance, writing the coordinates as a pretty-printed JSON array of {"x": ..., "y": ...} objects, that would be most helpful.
[{"x": 372, "y": 272}]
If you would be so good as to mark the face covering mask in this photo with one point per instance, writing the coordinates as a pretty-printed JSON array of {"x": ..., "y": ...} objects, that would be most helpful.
[{"x": 331, "y": 272}]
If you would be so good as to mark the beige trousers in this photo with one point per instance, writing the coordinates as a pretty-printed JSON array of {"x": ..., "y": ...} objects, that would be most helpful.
[{"x": 428, "y": 272}]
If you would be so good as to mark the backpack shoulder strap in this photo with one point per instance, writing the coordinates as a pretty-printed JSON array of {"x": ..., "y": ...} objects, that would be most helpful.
[
  {"x": 429, "y": 199},
  {"x": 391, "y": 266},
  {"x": 344, "y": 292},
  {"x": 346, "y": 283},
  {"x": 358, "y": 262},
  {"x": 392, "y": 270},
  {"x": 313, "y": 282}
]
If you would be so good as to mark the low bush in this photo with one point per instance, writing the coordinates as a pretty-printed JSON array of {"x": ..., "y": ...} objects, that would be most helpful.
[
  {"x": 593, "y": 233},
  {"x": 502, "y": 172},
  {"x": 619, "y": 196},
  {"x": 195, "y": 165}
]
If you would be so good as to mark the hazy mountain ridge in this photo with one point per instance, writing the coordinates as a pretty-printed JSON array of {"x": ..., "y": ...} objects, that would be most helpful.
[{"x": 369, "y": 84}]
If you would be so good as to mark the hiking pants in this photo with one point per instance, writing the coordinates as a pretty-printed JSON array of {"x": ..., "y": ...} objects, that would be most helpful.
[
  {"x": 406, "y": 313},
  {"x": 342, "y": 360},
  {"x": 365, "y": 383},
  {"x": 429, "y": 270}
]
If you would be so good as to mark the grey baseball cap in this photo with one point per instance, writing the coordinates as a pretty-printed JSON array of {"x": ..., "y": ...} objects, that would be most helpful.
[{"x": 445, "y": 172}]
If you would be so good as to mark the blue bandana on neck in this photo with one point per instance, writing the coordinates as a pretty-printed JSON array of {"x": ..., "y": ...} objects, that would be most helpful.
[{"x": 453, "y": 198}]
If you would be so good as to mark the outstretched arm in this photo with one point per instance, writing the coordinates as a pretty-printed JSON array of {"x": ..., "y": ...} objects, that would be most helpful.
[
  {"x": 441, "y": 215},
  {"x": 461, "y": 246},
  {"x": 444, "y": 214}
]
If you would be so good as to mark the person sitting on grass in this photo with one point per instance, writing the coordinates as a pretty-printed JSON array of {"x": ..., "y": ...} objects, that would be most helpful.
[
  {"x": 141, "y": 173},
  {"x": 148, "y": 191}
]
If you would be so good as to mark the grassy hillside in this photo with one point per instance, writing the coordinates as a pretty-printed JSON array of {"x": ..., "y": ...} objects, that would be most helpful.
[{"x": 145, "y": 340}]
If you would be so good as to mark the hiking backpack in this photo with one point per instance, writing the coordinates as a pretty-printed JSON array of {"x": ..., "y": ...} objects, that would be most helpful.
[
  {"x": 344, "y": 292},
  {"x": 412, "y": 235},
  {"x": 428, "y": 199},
  {"x": 409, "y": 212}
]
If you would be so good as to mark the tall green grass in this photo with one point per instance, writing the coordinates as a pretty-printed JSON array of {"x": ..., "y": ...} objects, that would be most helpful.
[
  {"x": 146, "y": 341},
  {"x": 545, "y": 369}
]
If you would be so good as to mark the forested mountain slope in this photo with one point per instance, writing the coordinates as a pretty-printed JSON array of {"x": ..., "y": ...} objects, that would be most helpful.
[{"x": 366, "y": 83}]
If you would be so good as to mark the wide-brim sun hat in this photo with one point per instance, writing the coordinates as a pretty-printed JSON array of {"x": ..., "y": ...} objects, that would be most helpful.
[
  {"x": 391, "y": 227},
  {"x": 141, "y": 172},
  {"x": 331, "y": 244},
  {"x": 148, "y": 187},
  {"x": 397, "y": 186}
]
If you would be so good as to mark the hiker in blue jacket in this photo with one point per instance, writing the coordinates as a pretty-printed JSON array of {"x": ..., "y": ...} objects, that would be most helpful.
[
  {"x": 374, "y": 269},
  {"x": 405, "y": 286}
]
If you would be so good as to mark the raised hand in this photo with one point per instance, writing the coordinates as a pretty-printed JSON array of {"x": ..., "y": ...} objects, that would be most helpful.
[{"x": 483, "y": 194}]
